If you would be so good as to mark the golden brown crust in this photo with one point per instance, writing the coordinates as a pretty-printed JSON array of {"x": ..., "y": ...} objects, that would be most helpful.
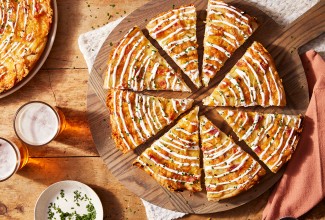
[
  {"x": 134, "y": 63},
  {"x": 174, "y": 159},
  {"x": 228, "y": 169},
  {"x": 135, "y": 118},
  {"x": 227, "y": 28},
  {"x": 23, "y": 37},
  {"x": 175, "y": 31},
  {"x": 273, "y": 137},
  {"x": 252, "y": 81}
]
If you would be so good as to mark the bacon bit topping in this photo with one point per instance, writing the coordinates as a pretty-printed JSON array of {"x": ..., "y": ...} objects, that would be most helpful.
[
  {"x": 213, "y": 131},
  {"x": 258, "y": 150},
  {"x": 232, "y": 167}
]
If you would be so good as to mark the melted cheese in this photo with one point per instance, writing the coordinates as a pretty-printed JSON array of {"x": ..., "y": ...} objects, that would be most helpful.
[
  {"x": 136, "y": 64},
  {"x": 175, "y": 31},
  {"x": 175, "y": 159},
  {"x": 270, "y": 136},
  {"x": 135, "y": 117},
  {"x": 251, "y": 79},
  {"x": 226, "y": 166}
]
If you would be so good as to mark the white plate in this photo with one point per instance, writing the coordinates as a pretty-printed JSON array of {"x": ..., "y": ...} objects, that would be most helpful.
[{"x": 67, "y": 204}]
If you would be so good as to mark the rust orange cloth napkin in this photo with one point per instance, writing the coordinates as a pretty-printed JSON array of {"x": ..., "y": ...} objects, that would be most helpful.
[{"x": 303, "y": 183}]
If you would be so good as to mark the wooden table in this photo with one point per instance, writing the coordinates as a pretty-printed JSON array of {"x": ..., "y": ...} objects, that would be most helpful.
[{"x": 62, "y": 82}]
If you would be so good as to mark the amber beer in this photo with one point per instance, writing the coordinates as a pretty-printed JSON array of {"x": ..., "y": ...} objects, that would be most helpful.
[
  {"x": 37, "y": 123},
  {"x": 13, "y": 157}
]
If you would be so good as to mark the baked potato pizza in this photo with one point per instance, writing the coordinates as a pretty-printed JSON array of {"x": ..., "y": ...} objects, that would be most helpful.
[{"x": 24, "y": 29}]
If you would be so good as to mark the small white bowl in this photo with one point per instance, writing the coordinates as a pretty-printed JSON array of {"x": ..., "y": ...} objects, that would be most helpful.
[{"x": 53, "y": 195}]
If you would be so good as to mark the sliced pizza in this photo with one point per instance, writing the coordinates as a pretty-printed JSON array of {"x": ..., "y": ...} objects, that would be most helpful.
[
  {"x": 273, "y": 137},
  {"x": 174, "y": 159},
  {"x": 227, "y": 28},
  {"x": 135, "y": 118},
  {"x": 136, "y": 64},
  {"x": 253, "y": 81},
  {"x": 228, "y": 169},
  {"x": 175, "y": 31}
]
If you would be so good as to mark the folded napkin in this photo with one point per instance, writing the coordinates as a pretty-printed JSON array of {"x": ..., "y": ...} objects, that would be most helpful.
[{"x": 303, "y": 183}]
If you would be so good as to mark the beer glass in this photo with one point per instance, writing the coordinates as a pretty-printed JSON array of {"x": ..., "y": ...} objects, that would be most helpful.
[
  {"x": 13, "y": 157},
  {"x": 37, "y": 123}
]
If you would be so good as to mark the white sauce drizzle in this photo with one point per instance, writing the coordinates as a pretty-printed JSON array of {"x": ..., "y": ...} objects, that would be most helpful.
[
  {"x": 118, "y": 122},
  {"x": 234, "y": 170},
  {"x": 230, "y": 25},
  {"x": 155, "y": 114},
  {"x": 123, "y": 121},
  {"x": 251, "y": 128},
  {"x": 159, "y": 175},
  {"x": 180, "y": 156},
  {"x": 182, "y": 173},
  {"x": 221, "y": 49},
  {"x": 219, "y": 153},
  {"x": 236, "y": 187},
  {"x": 140, "y": 115},
  {"x": 127, "y": 60},
  {"x": 241, "y": 94},
  {"x": 226, "y": 6},
  {"x": 236, "y": 119},
  {"x": 132, "y": 115},
  {"x": 252, "y": 92},
  {"x": 185, "y": 131}
]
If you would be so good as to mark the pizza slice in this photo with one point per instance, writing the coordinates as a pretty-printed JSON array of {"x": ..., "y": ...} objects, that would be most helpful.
[
  {"x": 253, "y": 81},
  {"x": 136, "y": 64},
  {"x": 273, "y": 137},
  {"x": 227, "y": 28},
  {"x": 175, "y": 31},
  {"x": 174, "y": 159},
  {"x": 228, "y": 169},
  {"x": 135, "y": 118}
]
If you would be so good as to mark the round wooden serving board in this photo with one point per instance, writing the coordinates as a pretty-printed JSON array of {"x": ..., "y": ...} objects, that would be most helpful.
[{"x": 282, "y": 43}]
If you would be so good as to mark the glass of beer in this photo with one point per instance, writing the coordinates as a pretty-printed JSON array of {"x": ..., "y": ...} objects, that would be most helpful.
[
  {"x": 13, "y": 157},
  {"x": 37, "y": 123}
]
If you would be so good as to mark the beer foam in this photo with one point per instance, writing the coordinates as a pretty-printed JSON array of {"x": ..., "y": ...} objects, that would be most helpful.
[
  {"x": 36, "y": 123},
  {"x": 8, "y": 159}
]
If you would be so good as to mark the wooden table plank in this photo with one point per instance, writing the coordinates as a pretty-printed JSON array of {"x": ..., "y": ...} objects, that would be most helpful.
[
  {"x": 77, "y": 17},
  {"x": 19, "y": 194},
  {"x": 65, "y": 89}
]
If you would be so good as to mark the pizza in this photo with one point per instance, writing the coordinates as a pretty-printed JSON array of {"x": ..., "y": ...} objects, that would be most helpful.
[
  {"x": 135, "y": 117},
  {"x": 137, "y": 65},
  {"x": 175, "y": 31},
  {"x": 253, "y": 81},
  {"x": 228, "y": 169},
  {"x": 273, "y": 137},
  {"x": 24, "y": 30},
  {"x": 227, "y": 28},
  {"x": 174, "y": 159}
]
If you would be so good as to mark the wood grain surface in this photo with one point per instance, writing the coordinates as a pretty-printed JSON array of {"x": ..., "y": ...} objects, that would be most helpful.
[
  {"x": 73, "y": 155},
  {"x": 281, "y": 43}
]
